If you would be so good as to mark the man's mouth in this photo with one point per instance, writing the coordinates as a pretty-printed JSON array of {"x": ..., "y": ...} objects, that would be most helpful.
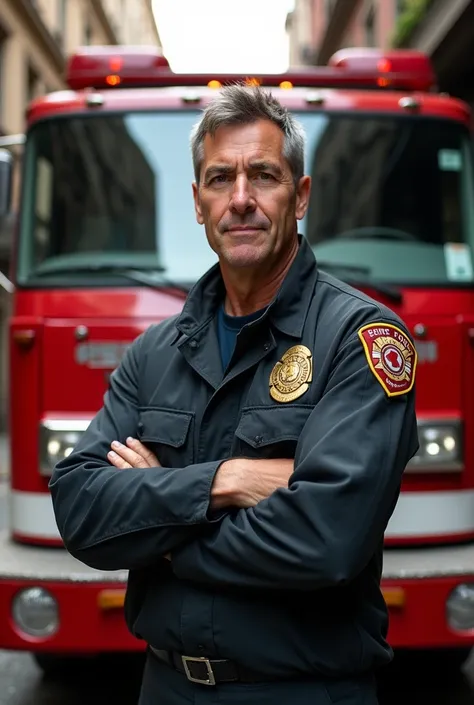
[{"x": 244, "y": 229}]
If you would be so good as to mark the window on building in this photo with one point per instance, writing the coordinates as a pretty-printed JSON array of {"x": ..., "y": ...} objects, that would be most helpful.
[
  {"x": 370, "y": 29},
  {"x": 399, "y": 7},
  {"x": 3, "y": 40},
  {"x": 329, "y": 6},
  {"x": 123, "y": 21},
  {"x": 62, "y": 17},
  {"x": 32, "y": 83},
  {"x": 87, "y": 33}
]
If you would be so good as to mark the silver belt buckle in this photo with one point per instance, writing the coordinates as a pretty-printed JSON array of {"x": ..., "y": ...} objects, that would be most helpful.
[{"x": 210, "y": 680}]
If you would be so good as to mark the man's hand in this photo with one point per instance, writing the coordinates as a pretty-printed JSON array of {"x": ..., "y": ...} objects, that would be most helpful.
[
  {"x": 244, "y": 483},
  {"x": 133, "y": 455}
]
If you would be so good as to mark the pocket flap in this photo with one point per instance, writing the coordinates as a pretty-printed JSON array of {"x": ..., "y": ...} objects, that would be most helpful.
[
  {"x": 264, "y": 425},
  {"x": 168, "y": 426}
]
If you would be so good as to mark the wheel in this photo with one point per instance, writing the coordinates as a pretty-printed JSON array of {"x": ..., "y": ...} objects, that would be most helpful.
[
  {"x": 58, "y": 666},
  {"x": 440, "y": 661},
  {"x": 54, "y": 664},
  {"x": 452, "y": 659},
  {"x": 62, "y": 665}
]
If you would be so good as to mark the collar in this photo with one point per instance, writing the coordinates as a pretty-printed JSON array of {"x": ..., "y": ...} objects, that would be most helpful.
[{"x": 287, "y": 311}]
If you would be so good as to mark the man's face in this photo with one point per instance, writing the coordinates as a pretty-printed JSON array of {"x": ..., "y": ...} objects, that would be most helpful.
[{"x": 247, "y": 199}]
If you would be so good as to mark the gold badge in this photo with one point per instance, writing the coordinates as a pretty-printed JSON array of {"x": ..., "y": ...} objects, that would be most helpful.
[{"x": 291, "y": 376}]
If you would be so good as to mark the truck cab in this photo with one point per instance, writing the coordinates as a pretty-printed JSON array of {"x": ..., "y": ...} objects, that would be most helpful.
[{"x": 107, "y": 244}]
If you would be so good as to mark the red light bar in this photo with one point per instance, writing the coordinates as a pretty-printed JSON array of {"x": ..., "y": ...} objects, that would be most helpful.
[
  {"x": 406, "y": 68},
  {"x": 109, "y": 66},
  {"x": 113, "y": 66}
]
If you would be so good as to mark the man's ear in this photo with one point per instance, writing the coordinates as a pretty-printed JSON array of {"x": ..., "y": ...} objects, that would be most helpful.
[
  {"x": 197, "y": 204},
  {"x": 303, "y": 190}
]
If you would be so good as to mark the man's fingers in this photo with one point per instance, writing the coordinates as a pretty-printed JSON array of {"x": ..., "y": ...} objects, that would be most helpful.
[
  {"x": 130, "y": 456},
  {"x": 142, "y": 450},
  {"x": 118, "y": 461}
]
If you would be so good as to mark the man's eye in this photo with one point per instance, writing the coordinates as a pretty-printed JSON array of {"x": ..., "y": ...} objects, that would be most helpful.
[
  {"x": 219, "y": 179},
  {"x": 265, "y": 176}
]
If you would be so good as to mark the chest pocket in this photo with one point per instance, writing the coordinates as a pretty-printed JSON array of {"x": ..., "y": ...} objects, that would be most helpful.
[
  {"x": 270, "y": 432},
  {"x": 168, "y": 433}
]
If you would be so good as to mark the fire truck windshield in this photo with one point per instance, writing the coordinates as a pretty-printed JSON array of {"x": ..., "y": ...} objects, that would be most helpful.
[{"x": 391, "y": 194}]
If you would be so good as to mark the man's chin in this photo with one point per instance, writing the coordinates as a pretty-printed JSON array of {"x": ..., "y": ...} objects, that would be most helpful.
[{"x": 244, "y": 255}]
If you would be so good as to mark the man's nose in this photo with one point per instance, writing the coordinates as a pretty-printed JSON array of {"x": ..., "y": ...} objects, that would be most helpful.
[{"x": 242, "y": 199}]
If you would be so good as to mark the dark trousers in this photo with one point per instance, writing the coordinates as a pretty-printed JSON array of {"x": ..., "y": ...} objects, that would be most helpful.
[{"x": 162, "y": 685}]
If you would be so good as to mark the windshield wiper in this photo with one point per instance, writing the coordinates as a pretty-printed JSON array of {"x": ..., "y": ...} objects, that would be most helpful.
[
  {"x": 355, "y": 275},
  {"x": 130, "y": 273}
]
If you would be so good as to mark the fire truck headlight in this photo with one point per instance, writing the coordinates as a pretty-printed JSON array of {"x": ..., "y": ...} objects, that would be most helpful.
[
  {"x": 460, "y": 607},
  {"x": 57, "y": 441},
  {"x": 440, "y": 447},
  {"x": 35, "y": 612}
]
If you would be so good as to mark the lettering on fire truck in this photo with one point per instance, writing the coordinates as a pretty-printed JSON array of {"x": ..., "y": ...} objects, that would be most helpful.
[
  {"x": 101, "y": 355},
  {"x": 427, "y": 351}
]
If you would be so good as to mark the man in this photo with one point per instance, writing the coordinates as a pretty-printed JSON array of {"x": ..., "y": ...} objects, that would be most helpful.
[{"x": 250, "y": 451}]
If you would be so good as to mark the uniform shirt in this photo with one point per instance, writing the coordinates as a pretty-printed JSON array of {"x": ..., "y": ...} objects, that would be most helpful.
[
  {"x": 228, "y": 328},
  {"x": 291, "y": 586}
]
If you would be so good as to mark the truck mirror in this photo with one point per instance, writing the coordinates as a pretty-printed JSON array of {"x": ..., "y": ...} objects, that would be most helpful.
[{"x": 6, "y": 177}]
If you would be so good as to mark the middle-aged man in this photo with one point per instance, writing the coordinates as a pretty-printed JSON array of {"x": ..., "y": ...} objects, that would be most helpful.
[{"x": 249, "y": 452}]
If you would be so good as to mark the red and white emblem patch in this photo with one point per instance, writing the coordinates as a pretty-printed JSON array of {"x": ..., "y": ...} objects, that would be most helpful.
[{"x": 391, "y": 356}]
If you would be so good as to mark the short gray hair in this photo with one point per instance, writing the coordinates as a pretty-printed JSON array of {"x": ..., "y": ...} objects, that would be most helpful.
[{"x": 240, "y": 105}]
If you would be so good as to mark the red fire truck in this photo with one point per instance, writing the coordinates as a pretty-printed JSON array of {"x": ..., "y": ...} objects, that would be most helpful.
[{"x": 106, "y": 244}]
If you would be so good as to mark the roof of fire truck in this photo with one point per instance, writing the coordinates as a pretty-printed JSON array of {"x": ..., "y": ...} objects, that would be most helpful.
[{"x": 116, "y": 79}]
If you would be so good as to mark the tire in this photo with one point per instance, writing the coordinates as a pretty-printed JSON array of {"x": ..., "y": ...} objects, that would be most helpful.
[
  {"x": 452, "y": 659},
  {"x": 65, "y": 666},
  {"x": 437, "y": 661}
]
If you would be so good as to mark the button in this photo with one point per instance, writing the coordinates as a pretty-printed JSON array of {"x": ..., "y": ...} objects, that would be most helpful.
[
  {"x": 267, "y": 346},
  {"x": 194, "y": 344},
  {"x": 258, "y": 440},
  {"x": 200, "y": 648}
]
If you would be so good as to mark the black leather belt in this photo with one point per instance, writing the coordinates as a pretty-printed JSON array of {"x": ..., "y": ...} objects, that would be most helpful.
[{"x": 199, "y": 669}]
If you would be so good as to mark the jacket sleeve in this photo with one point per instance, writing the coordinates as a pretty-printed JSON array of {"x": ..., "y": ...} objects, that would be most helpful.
[
  {"x": 325, "y": 527},
  {"x": 115, "y": 519}
]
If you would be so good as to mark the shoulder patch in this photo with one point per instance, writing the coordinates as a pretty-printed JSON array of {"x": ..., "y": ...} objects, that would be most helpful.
[{"x": 391, "y": 356}]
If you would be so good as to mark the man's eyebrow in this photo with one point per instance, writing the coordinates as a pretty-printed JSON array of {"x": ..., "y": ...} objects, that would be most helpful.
[
  {"x": 217, "y": 169},
  {"x": 262, "y": 165}
]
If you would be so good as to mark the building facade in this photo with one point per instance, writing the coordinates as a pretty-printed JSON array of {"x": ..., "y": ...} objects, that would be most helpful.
[
  {"x": 36, "y": 37},
  {"x": 443, "y": 29},
  {"x": 318, "y": 28}
]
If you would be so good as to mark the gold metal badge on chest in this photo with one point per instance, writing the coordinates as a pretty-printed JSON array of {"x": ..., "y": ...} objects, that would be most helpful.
[{"x": 291, "y": 376}]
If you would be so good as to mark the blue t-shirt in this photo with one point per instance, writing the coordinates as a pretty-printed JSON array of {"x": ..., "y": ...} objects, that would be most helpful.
[{"x": 228, "y": 328}]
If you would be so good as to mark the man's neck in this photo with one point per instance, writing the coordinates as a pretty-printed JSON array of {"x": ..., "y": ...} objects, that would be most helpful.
[{"x": 250, "y": 291}]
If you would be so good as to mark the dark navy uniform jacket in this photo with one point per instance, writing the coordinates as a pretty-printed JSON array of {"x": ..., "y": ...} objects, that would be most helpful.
[{"x": 292, "y": 585}]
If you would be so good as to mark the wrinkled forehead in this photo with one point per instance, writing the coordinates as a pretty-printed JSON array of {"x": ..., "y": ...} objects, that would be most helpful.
[{"x": 238, "y": 144}]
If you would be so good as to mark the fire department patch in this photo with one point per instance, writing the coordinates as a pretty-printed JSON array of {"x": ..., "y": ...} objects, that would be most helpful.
[{"x": 391, "y": 356}]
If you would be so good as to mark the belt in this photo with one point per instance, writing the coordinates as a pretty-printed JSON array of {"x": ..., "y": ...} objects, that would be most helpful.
[{"x": 199, "y": 669}]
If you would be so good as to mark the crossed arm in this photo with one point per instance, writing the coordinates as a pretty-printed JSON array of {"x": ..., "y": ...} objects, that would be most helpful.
[
  {"x": 237, "y": 483},
  {"x": 312, "y": 525},
  {"x": 131, "y": 518}
]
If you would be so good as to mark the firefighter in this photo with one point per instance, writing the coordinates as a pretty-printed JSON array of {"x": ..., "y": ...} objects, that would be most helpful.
[{"x": 249, "y": 452}]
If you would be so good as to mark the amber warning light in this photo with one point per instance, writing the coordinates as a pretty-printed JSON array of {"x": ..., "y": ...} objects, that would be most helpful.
[{"x": 113, "y": 66}]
